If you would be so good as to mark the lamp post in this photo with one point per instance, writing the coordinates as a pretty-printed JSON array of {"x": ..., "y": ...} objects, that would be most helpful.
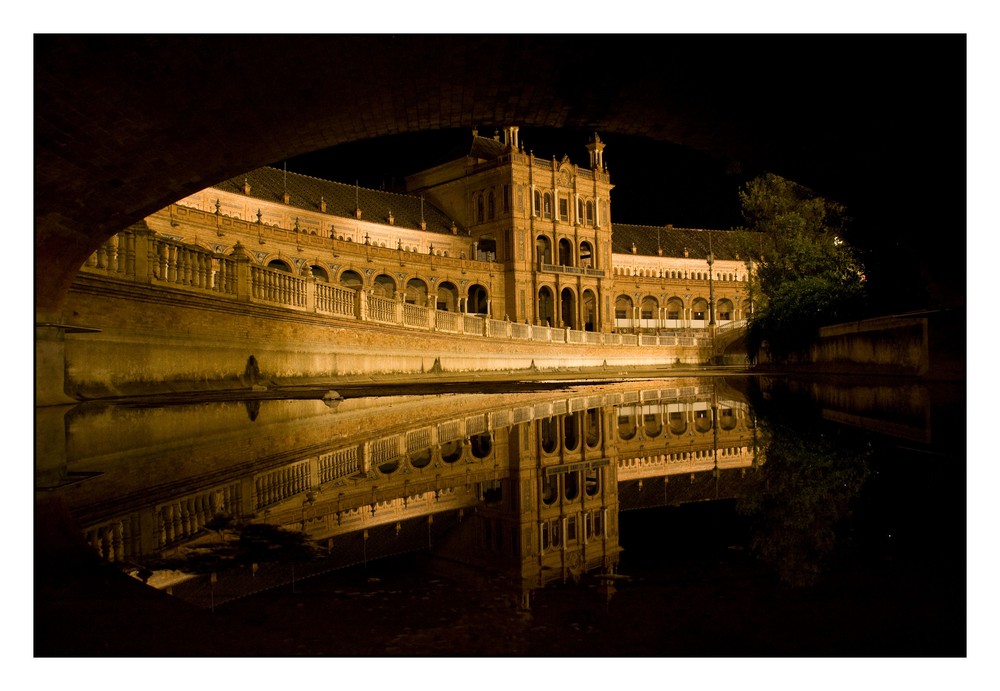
[{"x": 711, "y": 295}]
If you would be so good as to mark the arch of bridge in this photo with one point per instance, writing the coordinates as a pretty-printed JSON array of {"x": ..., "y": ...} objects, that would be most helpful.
[{"x": 126, "y": 124}]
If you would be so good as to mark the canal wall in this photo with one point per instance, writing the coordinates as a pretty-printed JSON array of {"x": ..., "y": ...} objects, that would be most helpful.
[
  {"x": 141, "y": 340},
  {"x": 928, "y": 345}
]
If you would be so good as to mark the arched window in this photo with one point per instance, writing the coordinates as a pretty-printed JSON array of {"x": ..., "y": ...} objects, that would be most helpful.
[
  {"x": 384, "y": 286},
  {"x": 481, "y": 445},
  {"x": 623, "y": 307},
  {"x": 548, "y": 429},
  {"x": 579, "y": 210},
  {"x": 675, "y": 308},
  {"x": 676, "y": 422},
  {"x": 547, "y": 205},
  {"x": 702, "y": 420},
  {"x": 651, "y": 425},
  {"x": 543, "y": 250},
  {"x": 699, "y": 309},
  {"x": 627, "y": 428},
  {"x": 537, "y": 207},
  {"x": 351, "y": 279},
  {"x": 491, "y": 206},
  {"x": 589, "y": 311},
  {"x": 421, "y": 459},
  {"x": 571, "y": 431},
  {"x": 447, "y": 297},
  {"x": 478, "y": 300},
  {"x": 320, "y": 273},
  {"x": 724, "y": 310},
  {"x": 586, "y": 255},
  {"x": 479, "y": 208},
  {"x": 279, "y": 265},
  {"x": 567, "y": 300},
  {"x": 589, "y": 211},
  {"x": 650, "y": 308},
  {"x": 416, "y": 292},
  {"x": 451, "y": 451},
  {"x": 546, "y": 307},
  {"x": 593, "y": 427},
  {"x": 571, "y": 482},
  {"x": 565, "y": 252}
]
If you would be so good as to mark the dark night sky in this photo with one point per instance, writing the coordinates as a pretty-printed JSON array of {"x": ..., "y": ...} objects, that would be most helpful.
[{"x": 655, "y": 183}]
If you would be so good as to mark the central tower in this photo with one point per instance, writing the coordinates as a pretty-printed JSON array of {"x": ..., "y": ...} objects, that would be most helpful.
[{"x": 548, "y": 222}]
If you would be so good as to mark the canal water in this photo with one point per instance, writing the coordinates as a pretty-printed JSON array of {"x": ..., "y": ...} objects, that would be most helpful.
[{"x": 712, "y": 516}]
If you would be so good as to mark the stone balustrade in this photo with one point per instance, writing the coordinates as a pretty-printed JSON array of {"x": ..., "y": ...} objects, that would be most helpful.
[{"x": 140, "y": 255}]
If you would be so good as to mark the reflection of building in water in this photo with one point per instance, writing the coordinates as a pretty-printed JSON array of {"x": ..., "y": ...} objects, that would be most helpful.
[
  {"x": 686, "y": 431},
  {"x": 527, "y": 486}
]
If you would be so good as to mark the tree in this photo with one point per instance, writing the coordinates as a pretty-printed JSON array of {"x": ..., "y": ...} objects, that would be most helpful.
[{"x": 806, "y": 275}]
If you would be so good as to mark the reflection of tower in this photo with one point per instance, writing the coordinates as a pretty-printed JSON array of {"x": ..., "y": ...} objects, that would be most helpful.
[{"x": 564, "y": 496}]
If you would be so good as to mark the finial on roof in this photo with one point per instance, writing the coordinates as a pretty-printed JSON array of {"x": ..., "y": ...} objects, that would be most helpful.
[
  {"x": 246, "y": 186},
  {"x": 322, "y": 204}
]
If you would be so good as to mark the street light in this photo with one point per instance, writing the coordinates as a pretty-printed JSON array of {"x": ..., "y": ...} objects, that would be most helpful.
[{"x": 711, "y": 294}]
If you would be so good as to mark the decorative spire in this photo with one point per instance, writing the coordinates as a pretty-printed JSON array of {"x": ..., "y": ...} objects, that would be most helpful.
[{"x": 596, "y": 149}]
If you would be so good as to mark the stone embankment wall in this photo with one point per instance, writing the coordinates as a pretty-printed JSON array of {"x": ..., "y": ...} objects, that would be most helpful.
[
  {"x": 157, "y": 341},
  {"x": 926, "y": 345}
]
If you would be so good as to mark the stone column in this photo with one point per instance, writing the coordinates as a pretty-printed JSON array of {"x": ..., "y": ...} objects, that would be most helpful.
[
  {"x": 242, "y": 258},
  {"x": 310, "y": 280},
  {"x": 361, "y": 306}
]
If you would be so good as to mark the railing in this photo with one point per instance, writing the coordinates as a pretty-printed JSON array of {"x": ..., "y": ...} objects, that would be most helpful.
[
  {"x": 142, "y": 256},
  {"x": 270, "y": 285},
  {"x": 335, "y": 300},
  {"x": 381, "y": 309},
  {"x": 416, "y": 317},
  {"x": 573, "y": 270},
  {"x": 731, "y": 326},
  {"x": 448, "y": 321}
]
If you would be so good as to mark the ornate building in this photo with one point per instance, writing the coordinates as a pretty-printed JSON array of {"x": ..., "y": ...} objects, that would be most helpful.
[{"x": 498, "y": 232}]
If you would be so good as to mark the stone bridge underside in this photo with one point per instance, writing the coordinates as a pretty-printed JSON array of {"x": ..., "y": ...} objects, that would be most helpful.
[{"x": 126, "y": 124}]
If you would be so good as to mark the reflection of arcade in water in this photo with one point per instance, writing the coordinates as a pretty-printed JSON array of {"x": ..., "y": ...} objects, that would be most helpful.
[{"x": 524, "y": 485}]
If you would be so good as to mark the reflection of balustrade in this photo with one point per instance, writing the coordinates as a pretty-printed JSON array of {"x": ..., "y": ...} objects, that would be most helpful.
[
  {"x": 418, "y": 439},
  {"x": 181, "y": 519},
  {"x": 386, "y": 449},
  {"x": 338, "y": 464},
  {"x": 275, "y": 486},
  {"x": 115, "y": 541},
  {"x": 449, "y": 431}
]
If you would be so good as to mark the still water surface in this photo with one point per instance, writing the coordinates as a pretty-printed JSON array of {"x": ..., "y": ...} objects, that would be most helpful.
[{"x": 715, "y": 516}]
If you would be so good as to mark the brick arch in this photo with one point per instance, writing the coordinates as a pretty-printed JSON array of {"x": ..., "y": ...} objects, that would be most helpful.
[{"x": 124, "y": 125}]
